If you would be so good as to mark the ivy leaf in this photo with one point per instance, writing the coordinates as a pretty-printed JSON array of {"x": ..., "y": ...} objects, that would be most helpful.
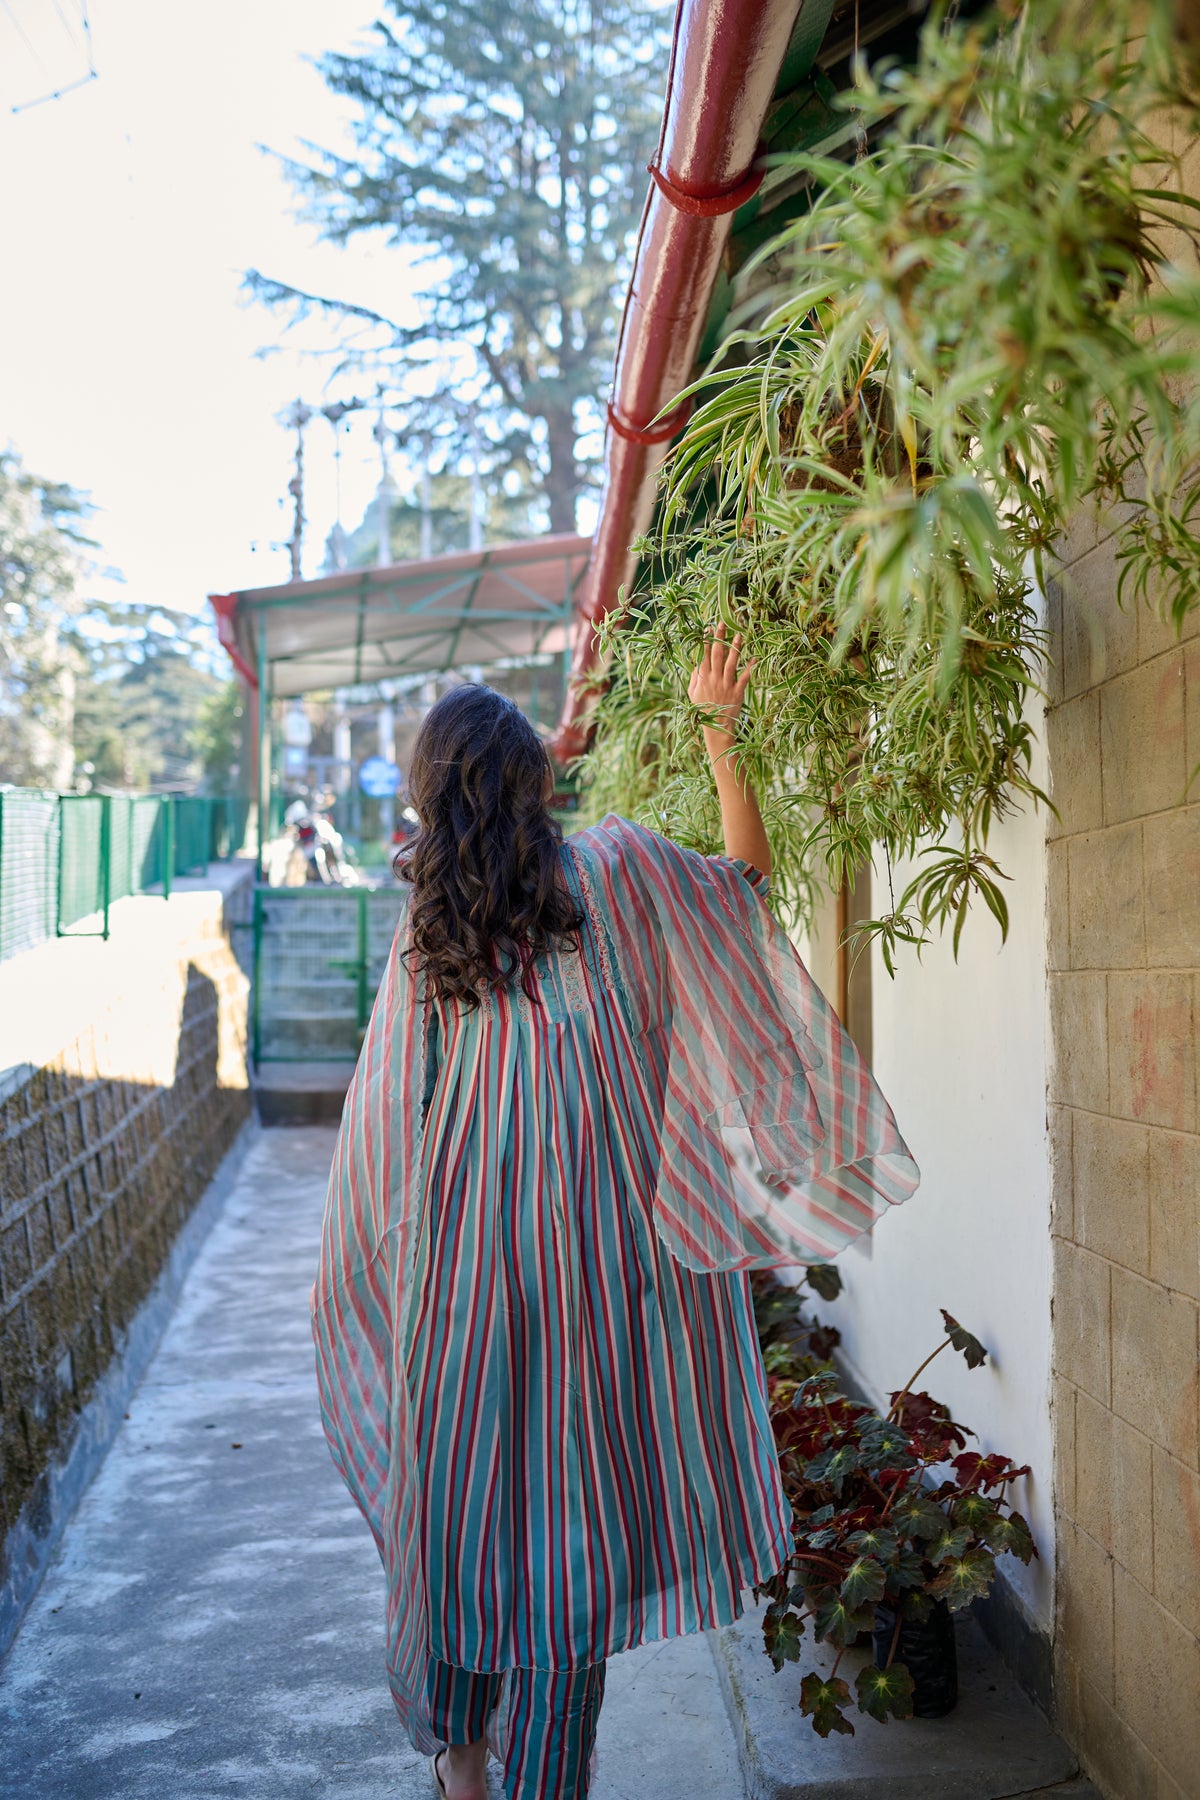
[
  {"x": 964, "y": 1578},
  {"x": 1012, "y": 1535},
  {"x": 822, "y": 1702},
  {"x": 917, "y": 1516},
  {"x": 824, "y": 1279},
  {"x": 833, "y": 1467},
  {"x": 884, "y": 1691},
  {"x": 864, "y": 1582},
  {"x": 876, "y": 1540},
  {"x": 908, "y": 1571},
  {"x": 975, "y": 1470},
  {"x": 835, "y": 1622},
  {"x": 977, "y": 1512},
  {"x": 782, "y": 1633},
  {"x": 884, "y": 1445},
  {"x": 950, "y": 1543},
  {"x": 824, "y": 1539},
  {"x": 823, "y": 1340},
  {"x": 917, "y": 1606},
  {"x": 961, "y": 1339}
]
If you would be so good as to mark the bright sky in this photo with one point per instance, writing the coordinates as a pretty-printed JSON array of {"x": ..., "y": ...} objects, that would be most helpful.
[{"x": 129, "y": 210}]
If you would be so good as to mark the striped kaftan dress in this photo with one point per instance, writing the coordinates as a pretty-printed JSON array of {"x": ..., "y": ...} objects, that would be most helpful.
[{"x": 539, "y": 1372}]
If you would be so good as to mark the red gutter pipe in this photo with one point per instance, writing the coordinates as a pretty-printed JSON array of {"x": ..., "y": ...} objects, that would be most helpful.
[
  {"x": 725, "y": 60},
  {"x": 225, "y": 608}
]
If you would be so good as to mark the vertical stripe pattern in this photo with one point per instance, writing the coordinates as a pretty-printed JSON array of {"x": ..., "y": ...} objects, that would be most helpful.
[
  {"x": 540, "y": 1723},
  {"x": 539, "y": 1371}
]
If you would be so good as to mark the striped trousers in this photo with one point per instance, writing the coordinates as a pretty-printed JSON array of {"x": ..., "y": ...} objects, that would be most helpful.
[{"x": 547, "y": 1736}]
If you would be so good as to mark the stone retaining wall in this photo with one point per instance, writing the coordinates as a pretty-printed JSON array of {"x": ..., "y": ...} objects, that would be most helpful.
[{"x": 103, "y": 1155}]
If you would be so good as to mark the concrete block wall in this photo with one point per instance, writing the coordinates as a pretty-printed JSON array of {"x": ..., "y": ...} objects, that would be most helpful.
[
  {"x": 1124, "y": 954},
  {"x": 104, "y": 1151}
]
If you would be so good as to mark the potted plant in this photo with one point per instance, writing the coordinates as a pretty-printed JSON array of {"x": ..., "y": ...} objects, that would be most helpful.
[
  {"x": 792, "y": 1346},
  {"x": 897, "y": 1526}
]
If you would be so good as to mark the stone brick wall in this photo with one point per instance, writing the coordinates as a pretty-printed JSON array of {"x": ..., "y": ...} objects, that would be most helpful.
[
  {"x": 103, "y": 1154},
  {"x": 1124, "y": 951}
]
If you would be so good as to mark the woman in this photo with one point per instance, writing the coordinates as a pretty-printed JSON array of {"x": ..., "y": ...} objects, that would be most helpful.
[{"x": 597, "y": 1087}]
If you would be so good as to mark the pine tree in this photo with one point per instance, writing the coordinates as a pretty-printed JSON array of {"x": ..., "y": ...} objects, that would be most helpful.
[
  {"x": 509, "y": 143},
  {"x": 43, "y": 555},
  {"x": 143, "y": 692}
]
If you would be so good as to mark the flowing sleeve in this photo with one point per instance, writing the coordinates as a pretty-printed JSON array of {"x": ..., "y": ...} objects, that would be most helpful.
[
  {"x": 360, "y": 1310},
  {"x": 355, "y": 1298},
  {"x": 776, "y": 1144}
]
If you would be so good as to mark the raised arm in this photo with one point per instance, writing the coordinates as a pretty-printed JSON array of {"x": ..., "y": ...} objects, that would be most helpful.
[{"x": 718, "y": 688}]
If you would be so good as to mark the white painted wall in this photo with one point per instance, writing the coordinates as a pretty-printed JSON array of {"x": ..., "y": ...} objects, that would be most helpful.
[{"x": 960, "y": 1052}]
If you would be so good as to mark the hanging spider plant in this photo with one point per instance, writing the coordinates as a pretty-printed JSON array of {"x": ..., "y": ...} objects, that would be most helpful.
[{"x": 976, "y": 328}]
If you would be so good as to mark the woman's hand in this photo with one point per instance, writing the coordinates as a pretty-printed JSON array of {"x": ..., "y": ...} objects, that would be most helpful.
[{"x": 719, "y": 687}]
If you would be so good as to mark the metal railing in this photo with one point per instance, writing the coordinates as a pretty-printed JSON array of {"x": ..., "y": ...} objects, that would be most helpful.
[
  {"x": 319, "y": 954},
  {"x": 65, "y": 858}
]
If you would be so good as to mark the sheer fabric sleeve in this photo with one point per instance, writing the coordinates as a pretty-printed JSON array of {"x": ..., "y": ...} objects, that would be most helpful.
[{"x": 776, "y": 1144}]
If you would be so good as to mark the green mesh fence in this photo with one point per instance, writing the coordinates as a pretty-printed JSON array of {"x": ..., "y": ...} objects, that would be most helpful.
[
  {"x": 193, "y": 835},
  {"x": 148, "y": 842},
  {"x": 28, "y": 869},
  {"x": 83, "y": 864},
  {"x": 65, "y": 858},
  {"x": 230, "y": 819}
]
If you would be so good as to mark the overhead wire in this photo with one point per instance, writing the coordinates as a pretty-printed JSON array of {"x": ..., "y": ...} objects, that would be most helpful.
[{"x": 83, "y": 47}]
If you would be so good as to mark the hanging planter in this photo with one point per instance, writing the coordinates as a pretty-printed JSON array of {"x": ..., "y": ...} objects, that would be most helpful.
[{"x": 976, "y": 329}]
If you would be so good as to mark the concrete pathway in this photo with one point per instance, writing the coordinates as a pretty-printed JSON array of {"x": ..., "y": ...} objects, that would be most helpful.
[{"x": 214, "y": 1623}]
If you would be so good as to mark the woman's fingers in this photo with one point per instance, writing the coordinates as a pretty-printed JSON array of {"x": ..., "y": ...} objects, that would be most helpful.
[{"x": 717, "y": 676}]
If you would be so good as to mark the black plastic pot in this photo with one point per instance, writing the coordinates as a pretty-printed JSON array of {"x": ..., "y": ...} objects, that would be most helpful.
[{"x": 927, "y": 1650}]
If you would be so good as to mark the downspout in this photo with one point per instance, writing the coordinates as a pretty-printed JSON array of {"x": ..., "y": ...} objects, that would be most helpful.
[{"x": 725, "y": 60}]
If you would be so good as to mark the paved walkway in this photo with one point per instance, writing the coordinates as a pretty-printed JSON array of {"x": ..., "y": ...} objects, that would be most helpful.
[{"x": 213, "y": 1625}]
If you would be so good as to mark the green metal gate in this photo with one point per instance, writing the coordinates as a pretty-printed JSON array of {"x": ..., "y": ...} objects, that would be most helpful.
[{"x": 319, "y": 956}]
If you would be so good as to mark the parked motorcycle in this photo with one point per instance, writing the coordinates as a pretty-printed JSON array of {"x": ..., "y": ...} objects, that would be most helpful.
[{"x": 324, "y": 853}]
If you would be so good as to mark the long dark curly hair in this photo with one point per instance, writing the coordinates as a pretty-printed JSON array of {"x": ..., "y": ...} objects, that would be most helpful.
[{"x": 488, "y": 893}]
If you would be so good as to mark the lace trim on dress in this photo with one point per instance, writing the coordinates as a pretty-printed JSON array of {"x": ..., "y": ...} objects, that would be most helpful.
[{"x": 604, "y": 962}]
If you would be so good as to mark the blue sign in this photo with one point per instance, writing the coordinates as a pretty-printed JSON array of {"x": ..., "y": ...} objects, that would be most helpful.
[{"x": 379, "y": 779}]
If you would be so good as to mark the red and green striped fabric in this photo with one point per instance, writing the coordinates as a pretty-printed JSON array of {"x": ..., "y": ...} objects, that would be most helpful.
[{"x": 538, "y": 1368}]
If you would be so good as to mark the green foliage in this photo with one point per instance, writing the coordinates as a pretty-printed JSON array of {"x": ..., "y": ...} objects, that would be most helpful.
[
  {"x": 822, "y": 1702},
  {"x": 43, "y": 554},
  {"x": 974, "y": 329},
  {"x": 879, "y": 1519},
  {"x": 216, "y": 737},
  {"x": 149, "y": 711},
  {"x": 794, "y": 1347},
  {"x": 881, "y": 1692},
  {"x": 508, "y": 145}
]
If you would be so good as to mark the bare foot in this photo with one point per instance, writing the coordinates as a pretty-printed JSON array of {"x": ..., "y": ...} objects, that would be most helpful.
[{"x": 461, "y": 1769}]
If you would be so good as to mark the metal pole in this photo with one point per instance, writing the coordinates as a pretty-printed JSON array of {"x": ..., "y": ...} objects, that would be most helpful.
[
  {"x": 298, "y": 418},
  {"x": 256, "y": 978},
  {"x": 384, "y": 499},
  {"x": 58, "y": 890},
  {"x": 264, "y": 751},
  {"x": 106, "y": 856},
  {"x": 361, "y": 995},
  {"x": 168, "y": 843}
]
